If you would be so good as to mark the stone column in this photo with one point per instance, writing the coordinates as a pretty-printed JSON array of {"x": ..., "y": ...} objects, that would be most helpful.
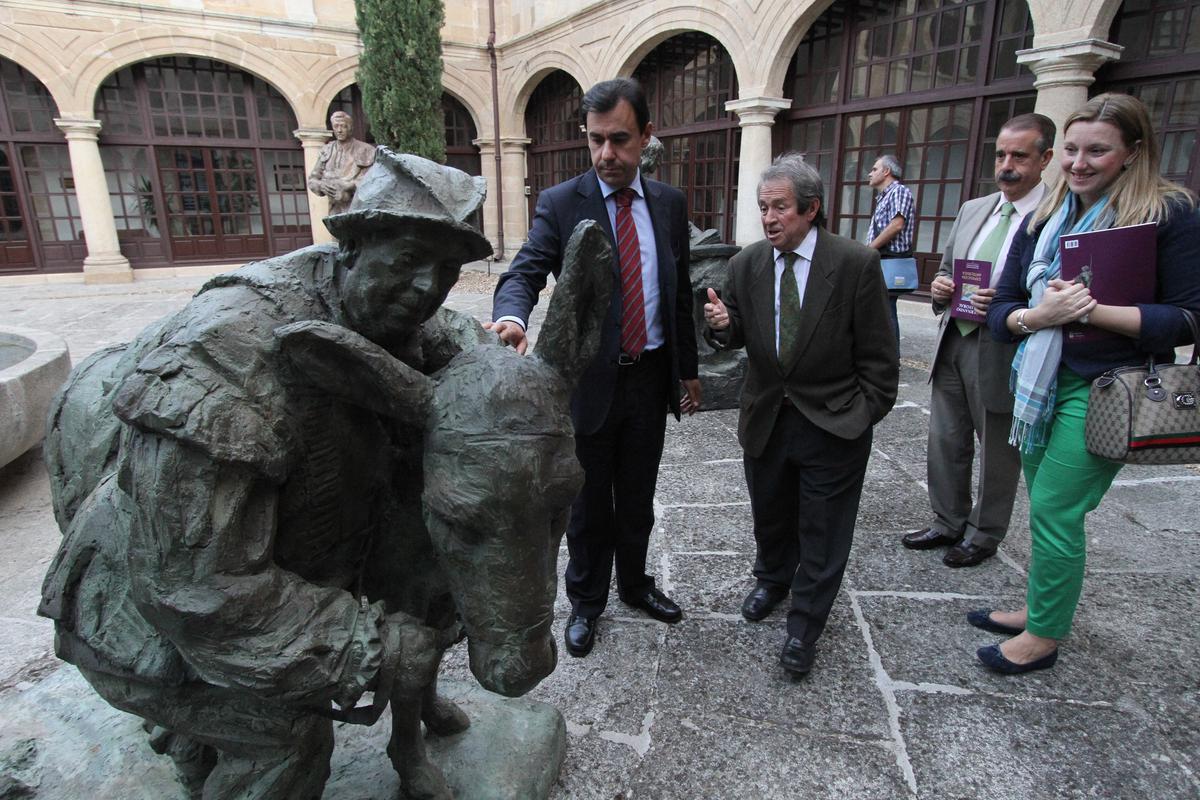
[
  {"x": 756, "y": 115},
  {"x": 1062, "y": 75},
  {"x": 512, "y": 167},
  {"x": 313, "y": 140},
  {"x": 104, "y": 262}
]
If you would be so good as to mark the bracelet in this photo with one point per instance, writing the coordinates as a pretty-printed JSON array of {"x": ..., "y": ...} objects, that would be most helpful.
[{"x": 1025, "y": 329}]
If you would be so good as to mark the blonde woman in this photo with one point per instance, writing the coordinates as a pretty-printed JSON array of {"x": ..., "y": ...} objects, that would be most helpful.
[{"x": 1110, "y": 161}]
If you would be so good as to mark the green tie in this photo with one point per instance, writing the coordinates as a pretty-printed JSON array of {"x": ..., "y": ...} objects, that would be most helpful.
[
  {"x": 789, "y": 310},
  {"x": 990, "y": 251}
]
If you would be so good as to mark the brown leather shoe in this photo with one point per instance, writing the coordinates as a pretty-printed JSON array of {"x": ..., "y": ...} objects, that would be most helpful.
[
  {"x": 927, "y": 539},
  {"x": 965, "y": 554}
]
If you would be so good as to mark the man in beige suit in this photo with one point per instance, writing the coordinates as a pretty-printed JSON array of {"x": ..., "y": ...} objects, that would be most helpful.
[
  {"x": 810, "y": 308},
  {"x": 971, "y": 400}
]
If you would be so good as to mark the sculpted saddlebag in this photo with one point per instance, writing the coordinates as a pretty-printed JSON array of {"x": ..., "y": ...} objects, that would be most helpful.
[{"x": 1147, "y": 414}]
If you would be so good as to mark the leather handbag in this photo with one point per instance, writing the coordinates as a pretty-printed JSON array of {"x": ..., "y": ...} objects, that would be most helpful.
[
  {"x": 900, "y": 274},
  {"x": 1147, "y": 414}
]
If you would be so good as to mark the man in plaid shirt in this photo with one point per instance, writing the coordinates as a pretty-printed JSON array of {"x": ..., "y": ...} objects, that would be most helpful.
[{"x": 892, "y": 223}]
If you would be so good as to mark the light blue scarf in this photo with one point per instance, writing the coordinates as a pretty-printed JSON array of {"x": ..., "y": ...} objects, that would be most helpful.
[{"x": 1035, "y": 367}]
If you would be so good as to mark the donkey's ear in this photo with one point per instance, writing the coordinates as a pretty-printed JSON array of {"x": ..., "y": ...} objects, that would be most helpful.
[
  {"x": 570, "y": 336},
  {"x": 335, "y": 361}
]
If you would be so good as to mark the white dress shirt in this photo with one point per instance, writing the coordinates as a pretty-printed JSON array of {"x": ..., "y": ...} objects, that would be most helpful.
[{"x": 645, "y": 233}]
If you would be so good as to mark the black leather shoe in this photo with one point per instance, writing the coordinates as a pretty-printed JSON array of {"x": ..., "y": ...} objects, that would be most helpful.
[
  {"x": 982, "y": 618},
  {"x": 761, "y": 601},
  {"x": 927, "y": 539},
  {"x": 657, "y": 605},
  {"x": 994, "y": 660},
  {"x": 797, "y": 657},
  {"x": 965, "y": 554},
  {"x": 579, "y": 635}
]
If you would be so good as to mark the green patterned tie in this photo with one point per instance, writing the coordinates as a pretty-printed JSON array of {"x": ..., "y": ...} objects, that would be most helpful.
[
  {"x": 990, "y": 251},
  {"x": 789, "y": 310}
]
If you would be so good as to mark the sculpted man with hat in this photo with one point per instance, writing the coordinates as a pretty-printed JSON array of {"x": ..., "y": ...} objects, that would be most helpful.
[{"x": 228, "y": 565}]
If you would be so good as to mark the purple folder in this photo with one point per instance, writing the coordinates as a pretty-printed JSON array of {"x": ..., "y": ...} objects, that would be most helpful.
[{"x": 1117, "y": 264}]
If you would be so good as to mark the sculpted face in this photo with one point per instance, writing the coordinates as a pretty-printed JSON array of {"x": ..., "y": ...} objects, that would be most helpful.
[
  {"x": 784, "y": 225},
  {"x": 616, "y": 144},
  {"x": 394, "y": 283},
  {"x": 342, "y": 126},
  {"x": 1019, "y": 165}
]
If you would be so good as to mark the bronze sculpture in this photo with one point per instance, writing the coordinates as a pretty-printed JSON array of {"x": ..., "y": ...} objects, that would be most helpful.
[
  {"x": 289, "y": 507},
  {"x": 341, "y": 164}
]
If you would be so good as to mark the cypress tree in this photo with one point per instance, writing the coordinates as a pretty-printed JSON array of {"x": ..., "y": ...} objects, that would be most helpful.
[{"x": 400, "y": 74}]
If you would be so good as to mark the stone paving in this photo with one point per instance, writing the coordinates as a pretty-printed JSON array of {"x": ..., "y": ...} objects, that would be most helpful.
[{"x": 896, "y": 706}]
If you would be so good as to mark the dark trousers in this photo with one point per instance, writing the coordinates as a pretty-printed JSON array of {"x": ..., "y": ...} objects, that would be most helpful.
[
  {"x": 804, "y": 493},
  {"x": 613, "y": 515}
]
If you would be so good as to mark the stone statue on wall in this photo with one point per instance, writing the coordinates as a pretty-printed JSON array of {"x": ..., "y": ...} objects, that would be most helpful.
[
  {"x": 721, "y": 371},
  {"x": 341, "y": 164},
  {"x": 292, "y": 493}
]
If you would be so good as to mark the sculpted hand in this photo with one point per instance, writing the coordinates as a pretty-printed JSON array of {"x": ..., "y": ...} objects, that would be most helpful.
[
  {"x": 715, "y": 313},
  {"x": 941, "y": 289},
  {"x": 982, "y": 299},
  {"x": 690, "y": 401},
  {"x": 510, "y": 333}
]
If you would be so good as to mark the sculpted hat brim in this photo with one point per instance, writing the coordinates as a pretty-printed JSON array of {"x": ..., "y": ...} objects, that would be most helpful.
[
  {"x": 405, "y": 193},
  {"x": 459, "y": 239}
]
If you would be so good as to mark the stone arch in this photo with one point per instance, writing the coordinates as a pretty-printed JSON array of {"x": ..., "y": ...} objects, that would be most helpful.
[
  {"x": 41, "y": 63},
  {"x": 476, "y": 100},
  {"x": 631, "y": 45},
  {"x": 290, "y": 79},
  {"x": 1062, "y": 22},
  {"x": 515, "y": 97},
  {"x": 785, "y": 38},
  {"x": 333, "y": 79}
]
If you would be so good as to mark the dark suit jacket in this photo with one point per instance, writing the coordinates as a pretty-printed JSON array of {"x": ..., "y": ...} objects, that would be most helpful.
[
  {"x": 845, "y": 374},
  {"x": 559, "y": 209},
  {"x": 995, "y": 358}
]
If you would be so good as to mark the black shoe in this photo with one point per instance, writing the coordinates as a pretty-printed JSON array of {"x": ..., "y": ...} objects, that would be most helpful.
[
  {"x": 579, "y": 635},
  {"x": 761, "y": 601},
  {"x": 797, "y": 657},
  {"x": 657, "y": 605},
  {"x": 993, "y": 659},
  {"x": 927, "y": 539},
  {"x": 982, "y": 618},
  {"x": 965, "y": 554}
]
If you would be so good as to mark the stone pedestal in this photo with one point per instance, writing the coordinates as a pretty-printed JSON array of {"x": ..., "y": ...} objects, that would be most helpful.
[
  {"x": 313, "y": 140},
  {"x": 104, "y": 262},
  {"x": 756, "y": 115}
]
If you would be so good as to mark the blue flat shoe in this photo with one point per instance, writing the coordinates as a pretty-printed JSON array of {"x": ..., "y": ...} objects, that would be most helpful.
[
  {"x": 982, "y": 618},
  {"x": 993, "y": 659}
]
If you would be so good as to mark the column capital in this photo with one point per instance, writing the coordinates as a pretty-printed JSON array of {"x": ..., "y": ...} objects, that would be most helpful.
[
  {"x": 508, "y": 144},
  {"x": 79, "y": 130},
  {"x": 757, "y": 110},
  {"x": 1069, "y": 64},
  {"x": 312, "y": 137}
]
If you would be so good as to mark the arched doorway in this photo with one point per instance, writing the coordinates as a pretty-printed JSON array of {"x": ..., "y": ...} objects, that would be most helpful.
[
  {"x": 929, "y": 82},
  {"x": 461, "y": 152},
  {"x": 558, "y": 146},
  {"x": 1161, "y": 66},
  {"x": 201, "y": 163},
  {"x": 688, "y": 79},
  {"x": 40, "y": 228}
]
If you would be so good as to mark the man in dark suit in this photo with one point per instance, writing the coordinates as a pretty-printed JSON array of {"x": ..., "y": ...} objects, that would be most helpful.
[
  {"x": 811, "y": 310},
  {"x": 971, "y": 401},
  {"x": 648, "y": 347}
]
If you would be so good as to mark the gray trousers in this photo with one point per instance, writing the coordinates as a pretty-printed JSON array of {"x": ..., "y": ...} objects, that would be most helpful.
[{"x": 957, "y": 417}]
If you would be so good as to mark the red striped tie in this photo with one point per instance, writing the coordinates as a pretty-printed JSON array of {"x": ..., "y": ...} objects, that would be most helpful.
[{"x": 633, "y": 310}]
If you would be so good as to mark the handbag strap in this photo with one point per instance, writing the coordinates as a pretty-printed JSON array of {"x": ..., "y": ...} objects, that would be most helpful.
[{"x": 1189, "y": 317}]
